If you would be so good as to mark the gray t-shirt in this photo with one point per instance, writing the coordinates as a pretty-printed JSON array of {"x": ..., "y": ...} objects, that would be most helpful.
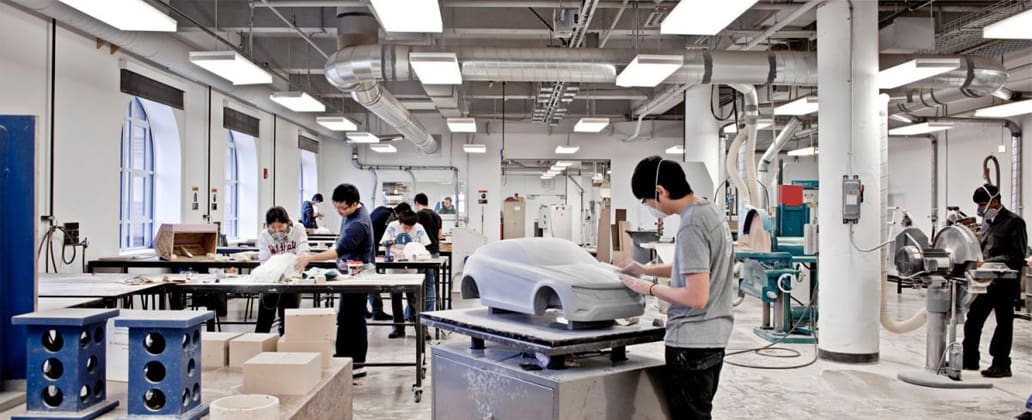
[{"x": 703, "y": 246}]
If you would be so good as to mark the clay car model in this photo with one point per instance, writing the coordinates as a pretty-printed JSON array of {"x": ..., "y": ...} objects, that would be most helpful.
[{"x": 532, "y": 275}]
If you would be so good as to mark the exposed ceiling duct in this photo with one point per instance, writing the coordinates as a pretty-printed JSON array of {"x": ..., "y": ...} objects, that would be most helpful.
[
  {"x": 358, "y": 25},
  {"x": 977, "y": 77}
]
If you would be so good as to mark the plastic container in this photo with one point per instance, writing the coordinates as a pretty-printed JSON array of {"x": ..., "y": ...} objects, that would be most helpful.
[{"x": 245, "y": 407}]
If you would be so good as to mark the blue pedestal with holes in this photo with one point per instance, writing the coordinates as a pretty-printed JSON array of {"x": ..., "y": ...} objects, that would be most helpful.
[
  {"x": 165, "y": 364},
  {"x": 65, "y": 378}
]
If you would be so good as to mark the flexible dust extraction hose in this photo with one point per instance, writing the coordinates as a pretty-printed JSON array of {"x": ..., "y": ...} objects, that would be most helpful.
[{"x": 731, "y": 163}]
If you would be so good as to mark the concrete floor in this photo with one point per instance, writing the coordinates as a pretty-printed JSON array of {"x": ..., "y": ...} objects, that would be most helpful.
[{"x": 821, "y": 390}]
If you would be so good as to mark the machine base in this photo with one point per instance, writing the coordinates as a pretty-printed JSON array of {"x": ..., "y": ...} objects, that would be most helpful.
[
  {"x": 779, "y": 337},
  {"x": 933, "y": 380}
]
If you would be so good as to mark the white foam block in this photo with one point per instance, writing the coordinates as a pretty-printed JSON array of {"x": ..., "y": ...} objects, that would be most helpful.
[
  {"x": 326, "y": 348},
  {"x": 282, "y": 373},
  {"x": 310, "y": 324},
  {"x": 215, "y": 349},
  {"x": 246, "y": 346}
]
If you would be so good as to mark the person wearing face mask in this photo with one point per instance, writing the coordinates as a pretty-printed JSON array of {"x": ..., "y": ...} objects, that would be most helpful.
[
  {"x": 281, "y": 235},
  {"x": 700, "y": 292},
  {"x": 1003, "y": 240}
]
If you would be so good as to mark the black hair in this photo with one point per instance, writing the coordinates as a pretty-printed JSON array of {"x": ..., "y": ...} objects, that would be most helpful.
[
  {"x": 317, "y": 197},
  {"x": 401, "y": 208},
  {"x": 277, "y": 214},
  {"x": 670, "y": 176},
  {"x": 421, "y": 199},
  {"x": 446, "y": 198},
  {"x": 408, "y": 218},
  {"x": 986, "y": 193},
  {"x": 346, "y": 193}
]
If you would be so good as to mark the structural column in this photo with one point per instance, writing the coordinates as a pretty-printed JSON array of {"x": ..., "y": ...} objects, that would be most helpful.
[
  {"x": 849, "y": 145},
  {"x": 701, "y": 140}
]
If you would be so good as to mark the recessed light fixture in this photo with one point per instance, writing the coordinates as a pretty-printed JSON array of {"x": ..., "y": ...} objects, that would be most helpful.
[
  {"x": 474, "y": 148},
  {"x": 408, "y": 15},
  {"x": 591, "y": 125},
  {"x": 566, "y": 149},
  {"x": 649, "y": 70},
  {"x": 337, "y": 123},
  {"x": 1006, "y": 110},
  {"x": 383, "y": 148},
  {"x": 564, "y": 164},
  {"x": 806, "y": 151},
  {"x": 298, "y": 101},
  {"x": 126, "y": 15},
  {"x": 462, "y": 125},
  {"x": 703, "y": 17},
  {"x": 760, "y": 124},
  {"x": 675, "y": 150},
  {"x": 1018, "y": 26},
  {"x": 363, "y": 137},
  {"x": 802, "y": 106},
  {"x": 914, "y": 70},
  {"x": 923, "y": 128},
  {"x": 436, "y": 68},
  {"x": 232, "y": 66}
]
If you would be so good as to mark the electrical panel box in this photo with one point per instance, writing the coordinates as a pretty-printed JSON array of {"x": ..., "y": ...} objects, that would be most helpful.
[
  {"x": 852, "y": 196},
  {"x": 71, "y": 236}
]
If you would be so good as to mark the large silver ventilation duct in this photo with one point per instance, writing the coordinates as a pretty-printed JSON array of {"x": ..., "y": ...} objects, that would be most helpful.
[
  {"x": 584, "y": 65},
  {"x": 360, "y": 26},
  {"x": 786, "y": 134},
  {"x": 976, "y": 77}
]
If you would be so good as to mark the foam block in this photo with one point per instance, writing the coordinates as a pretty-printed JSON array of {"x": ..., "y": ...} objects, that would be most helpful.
[
  {"x": 326, "y": 348},
  {"x": 310, "y": 324},
  {"x": 246, "y": 346},
  {"x": 215, "y": 349},
  {"x": 282, "y": 373}
]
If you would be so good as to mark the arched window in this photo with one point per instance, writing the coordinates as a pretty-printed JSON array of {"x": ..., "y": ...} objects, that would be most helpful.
[
  {"x": 136, "y": 215},
  {"x": 309, "y": 183},
  {"x": 231, "y": 194}
]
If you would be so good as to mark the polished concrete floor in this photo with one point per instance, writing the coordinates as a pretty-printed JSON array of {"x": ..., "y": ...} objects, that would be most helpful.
[{"x": 821, "y": 390}]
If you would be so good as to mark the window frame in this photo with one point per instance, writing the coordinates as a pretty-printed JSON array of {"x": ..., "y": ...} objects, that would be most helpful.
[
  {"x": 129, "y": 175},
  {"x": 231, "y": 193}
]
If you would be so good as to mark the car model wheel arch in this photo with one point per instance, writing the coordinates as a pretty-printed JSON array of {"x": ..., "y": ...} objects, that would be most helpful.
[
  {"x": 545, "y": 297},
  {"x": 469, "y": 288}
]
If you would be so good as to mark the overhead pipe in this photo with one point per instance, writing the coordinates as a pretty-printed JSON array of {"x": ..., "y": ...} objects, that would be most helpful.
[
  {"x": 977, "y": 77},
  {"x": 752, "y": 113},
  {"x": 1016, "y": 151},
  {"x": 792, "y": 17},
  {"x": 786, "y": 134}
]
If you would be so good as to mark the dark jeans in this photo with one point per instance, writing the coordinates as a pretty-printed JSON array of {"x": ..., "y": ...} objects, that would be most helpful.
[
  {"x": 272, "y": 304},
  {"x": 1000, "y": 298},
  {"x": 376, "y": 302},
  {"x": 352, "y": 338},
  {"x": 397, "y": 312},
  {"x": 690, "y": 381}
]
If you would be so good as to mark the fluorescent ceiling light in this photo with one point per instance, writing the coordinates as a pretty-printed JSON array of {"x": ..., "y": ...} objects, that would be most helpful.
[
  {"x": 590, "y": 125},
  {"x": 462, "y": 125},
  {"x": 801, "y": 106},
  {"x": 474, "y": 148},
  {"x": 566, "y": 150},
  {"x": 383, "y": 148},
  {"x": 298, "y": 101},
  {"x": 436, "y": 68},
  {"x": 649, "y": 70},
  {"x": 760, "y": 124},
  {"x": 408, "y": 15},
  {"x": 231, "y": 66},
  {"x": 703, "y": 17},
  {"x": 914, "y": 70},
  {"x": 1006, "y": 110},
  {"x": 337, "y": 123},
  {"x": 1018, "y": 26},
  {"x": 806, "y": 151},
  {"x": 126, "y": 15},
  {"x": 563, "y": 164},
  {"x": 418, "y": 105},
  {"x": 923, "y": 128},
  {"x": 675, "y": 150},
  {"x": 901, "y": 118},
  {"x": 363, "y": 137}
]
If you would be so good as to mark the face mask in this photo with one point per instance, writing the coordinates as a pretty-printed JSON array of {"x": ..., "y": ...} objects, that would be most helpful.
[
  {"x": 990, "y": 214},
  {"x": 280, "y": 236},
  {"x": 980, "y": 211},
  {"x": 655, "y": 212}
]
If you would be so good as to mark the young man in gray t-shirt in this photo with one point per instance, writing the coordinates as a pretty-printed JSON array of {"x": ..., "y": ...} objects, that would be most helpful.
[{"x": 700, "y": 291}]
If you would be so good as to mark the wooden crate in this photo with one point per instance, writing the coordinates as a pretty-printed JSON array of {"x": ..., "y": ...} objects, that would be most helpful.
[{"x": 185, "y": 242}]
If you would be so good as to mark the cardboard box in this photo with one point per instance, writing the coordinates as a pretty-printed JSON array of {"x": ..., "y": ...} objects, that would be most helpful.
[
  {"x": 244, "y": 347},
  {"x": 215, "y": 349},
  {"x": 282, "y": 373},
  {"x": 310, "y": 324},
  {"x": 326, "y": 348}
]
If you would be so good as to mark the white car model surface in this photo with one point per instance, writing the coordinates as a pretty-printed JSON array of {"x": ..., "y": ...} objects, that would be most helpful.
[{"x": 532, "y": 275}]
